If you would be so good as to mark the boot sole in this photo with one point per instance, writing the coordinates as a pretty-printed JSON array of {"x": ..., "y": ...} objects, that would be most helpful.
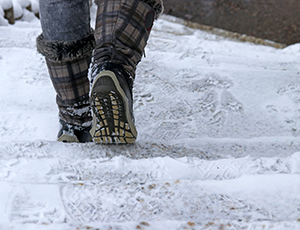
[{"x": 112, "y": 122}]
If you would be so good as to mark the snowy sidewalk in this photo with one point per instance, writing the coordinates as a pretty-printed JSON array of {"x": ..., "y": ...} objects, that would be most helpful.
[{"x": 218, "y": 144}]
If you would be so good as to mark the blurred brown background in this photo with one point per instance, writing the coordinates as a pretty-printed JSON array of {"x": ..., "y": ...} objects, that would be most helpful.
[{"x": 276, "y": 20}]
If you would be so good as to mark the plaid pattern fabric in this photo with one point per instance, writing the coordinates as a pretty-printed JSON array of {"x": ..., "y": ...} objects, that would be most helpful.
[
  {"x": 122, "y": 32},
  {"x": 72, "y": 87}
]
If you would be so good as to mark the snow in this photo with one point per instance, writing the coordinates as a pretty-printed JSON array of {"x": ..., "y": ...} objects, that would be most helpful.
[
  {"x": 5, "y": 4},
  {"x": 218, "y": 144},
  {"x": 23, "y": 3},
  {"x": 19, "y": 8},
  {"x": 34, "y": 6}
]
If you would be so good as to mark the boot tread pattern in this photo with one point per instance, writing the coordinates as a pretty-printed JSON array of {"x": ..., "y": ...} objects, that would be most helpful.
[{"x": 112, "y": 126}]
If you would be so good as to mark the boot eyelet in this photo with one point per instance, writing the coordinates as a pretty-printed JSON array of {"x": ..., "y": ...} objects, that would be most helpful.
[{"x": 149, "y": 20}]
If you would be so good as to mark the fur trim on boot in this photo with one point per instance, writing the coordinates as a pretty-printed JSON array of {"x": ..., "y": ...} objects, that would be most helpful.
[{"x": 61, "y": 51}]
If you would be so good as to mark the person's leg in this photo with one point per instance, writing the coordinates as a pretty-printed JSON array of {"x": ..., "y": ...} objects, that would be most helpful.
[
  {"x": 122, "y": 31},
  {"x": 67, "y": 42}
]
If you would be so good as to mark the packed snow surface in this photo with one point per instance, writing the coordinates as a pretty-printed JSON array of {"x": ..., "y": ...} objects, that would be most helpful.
[{"x": 218, "y": 144}]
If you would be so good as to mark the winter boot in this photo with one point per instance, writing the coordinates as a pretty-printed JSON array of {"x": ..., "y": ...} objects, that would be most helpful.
[
  {"x": 122, "y": 31},
  {"x": 73, "y": 133},
  {"x": 68, "y": 64},
  {"x": 67, "y": 43}
]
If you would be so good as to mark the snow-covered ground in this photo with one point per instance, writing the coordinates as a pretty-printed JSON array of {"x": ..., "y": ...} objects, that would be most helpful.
[{"x": 218, "y": 145}]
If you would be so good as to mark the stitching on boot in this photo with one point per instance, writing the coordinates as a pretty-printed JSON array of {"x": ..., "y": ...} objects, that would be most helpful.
[{"x": 61, "y": 51}]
